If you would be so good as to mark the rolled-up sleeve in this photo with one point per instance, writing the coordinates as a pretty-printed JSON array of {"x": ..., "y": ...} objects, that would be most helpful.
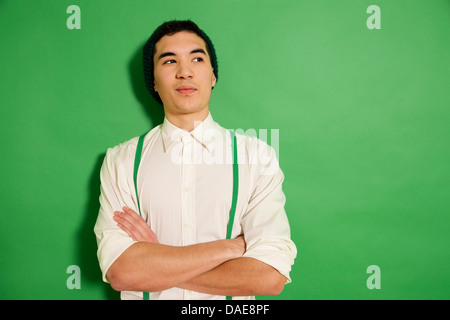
[
  {"x": 265, "y": 224},
  {"x": 115, "y": 193}
]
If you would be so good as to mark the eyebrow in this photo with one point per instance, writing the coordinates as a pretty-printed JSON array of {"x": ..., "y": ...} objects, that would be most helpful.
[{"x": 167, "y": 54}]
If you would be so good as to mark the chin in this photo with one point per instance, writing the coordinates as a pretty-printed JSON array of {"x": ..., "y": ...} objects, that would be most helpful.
[{"x": 188, "y": 106}]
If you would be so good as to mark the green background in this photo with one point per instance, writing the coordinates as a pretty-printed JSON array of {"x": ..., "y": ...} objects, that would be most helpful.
[{"x": 363, "y": 118}]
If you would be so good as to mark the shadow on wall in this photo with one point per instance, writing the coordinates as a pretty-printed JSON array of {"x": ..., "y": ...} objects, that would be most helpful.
[
  {"x": 153, "y": 109},
  {"x": 87, "y": 252}
]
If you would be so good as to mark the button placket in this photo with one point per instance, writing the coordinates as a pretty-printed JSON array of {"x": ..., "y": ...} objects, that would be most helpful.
[{"x": 187, "y": 191}]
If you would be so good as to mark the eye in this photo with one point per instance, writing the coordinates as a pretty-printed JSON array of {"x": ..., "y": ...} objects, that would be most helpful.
[
  {"x": 198, "y": 59},
  {"x": 169, "y": 61}
]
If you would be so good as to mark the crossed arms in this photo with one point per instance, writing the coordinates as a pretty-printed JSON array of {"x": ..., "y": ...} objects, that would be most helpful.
[
  {"x": 215, "y": 267},
  {"x": 132, "y": 259}
]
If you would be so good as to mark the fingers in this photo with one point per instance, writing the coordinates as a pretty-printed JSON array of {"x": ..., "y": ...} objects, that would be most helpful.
[
  {"x": 128, "y": 231},
  {"x": 134, "y": 225},
  {"x": 128, "y": 224},
  {"x": 130, "y": 221}
]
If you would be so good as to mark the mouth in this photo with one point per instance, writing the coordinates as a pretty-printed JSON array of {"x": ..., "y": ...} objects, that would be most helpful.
[{"x": 185, "y": 89}]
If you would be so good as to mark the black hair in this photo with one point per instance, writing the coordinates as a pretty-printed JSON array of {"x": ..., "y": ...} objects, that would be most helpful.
[{"x": 170, "y": 28}]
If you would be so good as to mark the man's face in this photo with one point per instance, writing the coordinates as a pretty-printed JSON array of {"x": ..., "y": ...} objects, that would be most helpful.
[{"x": 183, "y": 73}]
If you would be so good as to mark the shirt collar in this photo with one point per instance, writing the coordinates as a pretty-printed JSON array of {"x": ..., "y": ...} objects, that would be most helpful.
[{"x": 202, "y": 133}]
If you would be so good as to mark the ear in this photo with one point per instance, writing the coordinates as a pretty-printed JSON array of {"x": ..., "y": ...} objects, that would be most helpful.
[
  {"x": 214, "y": 80},
  {"x": 154, "y": 86}
]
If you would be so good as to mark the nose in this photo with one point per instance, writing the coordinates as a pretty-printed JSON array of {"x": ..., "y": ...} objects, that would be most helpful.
[{"x": 184, "y": 71}]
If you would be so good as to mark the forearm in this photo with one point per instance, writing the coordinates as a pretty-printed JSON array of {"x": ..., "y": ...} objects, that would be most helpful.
[
  {"x": 153, "y": 267},
  {"x": 238, "y": 277}
]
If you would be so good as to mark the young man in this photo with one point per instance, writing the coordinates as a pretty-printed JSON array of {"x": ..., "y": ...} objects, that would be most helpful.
[{"x": 178, "y": 248}]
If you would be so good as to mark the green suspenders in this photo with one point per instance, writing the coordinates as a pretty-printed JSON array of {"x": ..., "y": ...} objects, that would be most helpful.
[
  {"x": 137, "y": 160},
  {"x": 235, "y": 188}
]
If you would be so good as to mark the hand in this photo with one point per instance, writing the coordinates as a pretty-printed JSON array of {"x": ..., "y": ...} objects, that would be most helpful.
[{"x": 133, "y": 224}]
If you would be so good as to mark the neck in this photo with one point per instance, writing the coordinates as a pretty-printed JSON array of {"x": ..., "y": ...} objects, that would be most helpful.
[{"x": 187, "y": 121}]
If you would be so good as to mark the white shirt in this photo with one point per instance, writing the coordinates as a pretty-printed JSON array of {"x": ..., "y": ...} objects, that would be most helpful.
[{"x": 185, "y": 185}]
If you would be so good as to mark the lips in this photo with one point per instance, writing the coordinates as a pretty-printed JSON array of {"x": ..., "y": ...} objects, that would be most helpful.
[{"x": 186, "y": 89}]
